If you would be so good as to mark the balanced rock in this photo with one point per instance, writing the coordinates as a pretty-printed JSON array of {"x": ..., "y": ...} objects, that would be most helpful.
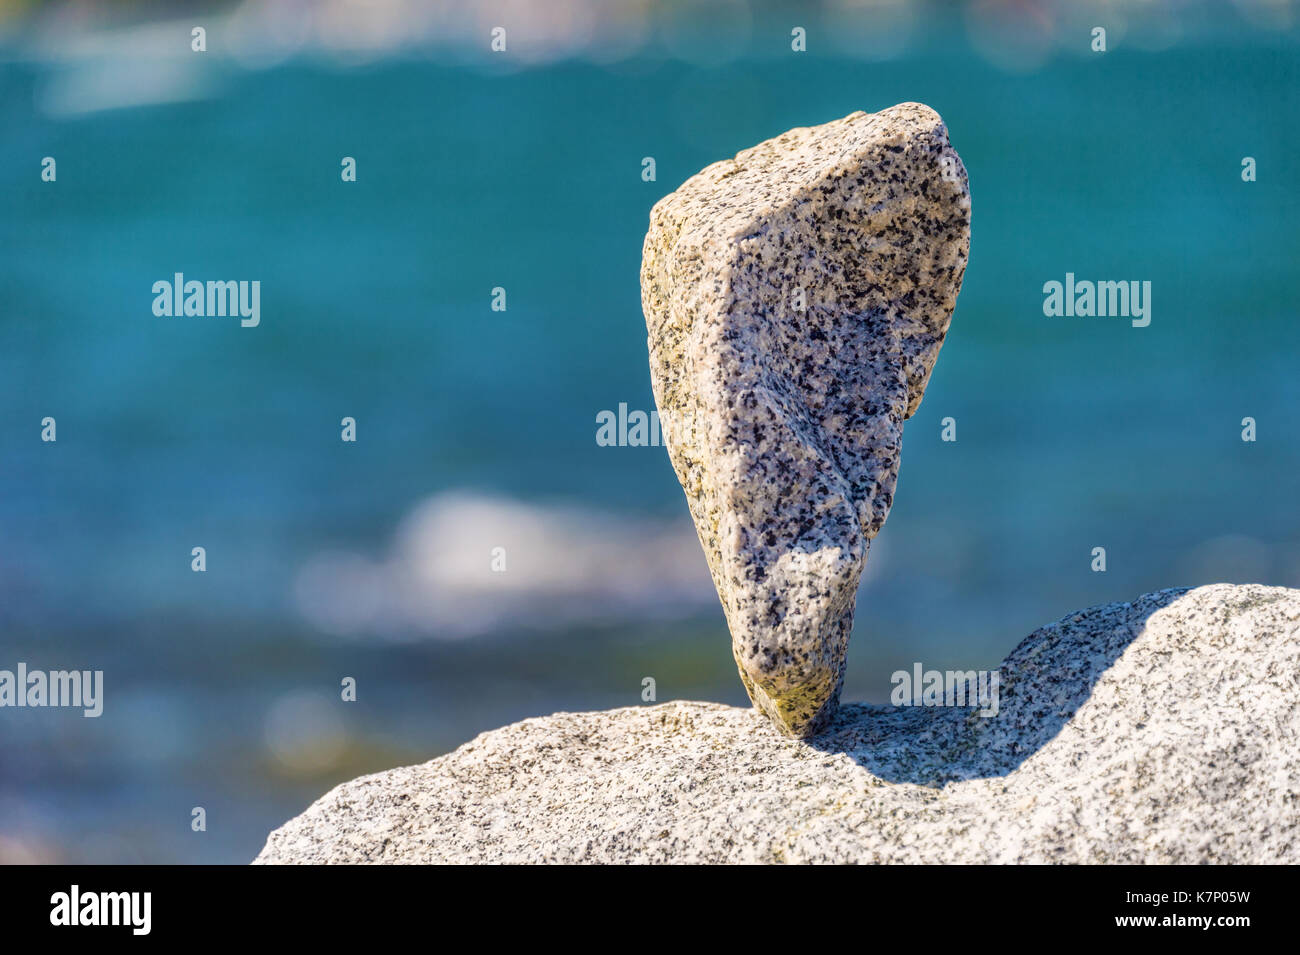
[
  {"x": 1166, "y": 730},
  {"x": 796, "y": 298}
]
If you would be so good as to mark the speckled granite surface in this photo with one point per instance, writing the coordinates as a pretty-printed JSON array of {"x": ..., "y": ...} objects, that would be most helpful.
[
  {"x": 1162, "y": 730},
  {"x": 796, "y": 298}
]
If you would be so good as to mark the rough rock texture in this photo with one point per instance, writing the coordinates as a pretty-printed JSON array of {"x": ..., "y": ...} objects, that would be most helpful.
[
  {"x": 796, "y": 298},
  {"x": 1164, "y": 730}
]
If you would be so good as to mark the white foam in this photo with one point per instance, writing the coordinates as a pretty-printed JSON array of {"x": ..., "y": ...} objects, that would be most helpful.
[{"x": 565, "y": 566}]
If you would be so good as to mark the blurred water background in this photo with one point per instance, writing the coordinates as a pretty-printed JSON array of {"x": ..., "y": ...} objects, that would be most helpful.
[{"x": 476, "y": 428}]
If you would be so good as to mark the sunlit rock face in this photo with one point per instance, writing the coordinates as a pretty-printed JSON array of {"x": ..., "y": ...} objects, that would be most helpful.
[
  {"x": 1161, "y": 731},
  {"x": 796, "y": 298}
]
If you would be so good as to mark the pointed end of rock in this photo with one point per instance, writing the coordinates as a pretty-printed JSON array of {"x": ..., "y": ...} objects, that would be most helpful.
[{"x": 800, "y": 713}]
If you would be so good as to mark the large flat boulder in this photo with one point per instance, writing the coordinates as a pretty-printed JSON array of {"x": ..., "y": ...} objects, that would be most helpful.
[{"x": 1162, "y": 730}]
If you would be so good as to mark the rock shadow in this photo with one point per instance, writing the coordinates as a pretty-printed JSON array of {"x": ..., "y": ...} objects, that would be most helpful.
[{"x": 1042, "y": 683}]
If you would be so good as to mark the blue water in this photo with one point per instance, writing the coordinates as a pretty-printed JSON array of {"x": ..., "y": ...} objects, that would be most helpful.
[{"x": 1071, "y": 433}]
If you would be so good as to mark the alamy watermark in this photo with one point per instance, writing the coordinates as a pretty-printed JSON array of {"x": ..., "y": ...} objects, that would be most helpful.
[
  {"x": 921, "y": 687},
  {"x": 80, "y": 689},
  {"x": 641, "y": 429},
  {"x": 75, "y": 907},
  {"x": 194, "y": 299},
  {"x": 1085, "y": 298}
]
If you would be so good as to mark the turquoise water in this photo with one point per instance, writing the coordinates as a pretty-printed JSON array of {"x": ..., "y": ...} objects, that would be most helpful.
[{"x": 375, "y": 303}]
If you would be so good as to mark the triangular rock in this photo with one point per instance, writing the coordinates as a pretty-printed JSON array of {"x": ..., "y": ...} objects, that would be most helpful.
[{"x": 796, "y": 298}]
